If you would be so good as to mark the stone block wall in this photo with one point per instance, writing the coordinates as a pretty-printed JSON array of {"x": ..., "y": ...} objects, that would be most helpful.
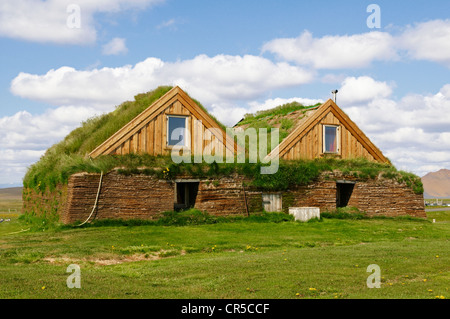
[
  {"x": 376, "y": 197},
  {"x": 384, "y": 197},
  {"x": 321, "y": 193},
  {"x": 140, "y": 196},
  {"x": 121, "y": 196},
  {"x": 225, "y": 196}
]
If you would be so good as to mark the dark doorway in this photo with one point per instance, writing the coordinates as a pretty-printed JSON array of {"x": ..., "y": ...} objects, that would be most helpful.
[
  {"x": 186, "y": 194},
  {"x": 344, "y": 190}
]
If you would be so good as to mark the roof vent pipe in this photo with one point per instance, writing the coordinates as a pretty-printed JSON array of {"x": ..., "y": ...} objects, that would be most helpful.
[{"x": 334, "y": 95}]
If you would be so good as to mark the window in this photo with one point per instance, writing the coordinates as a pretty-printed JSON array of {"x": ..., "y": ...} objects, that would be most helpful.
[
  {"x": 330, "y": 139},
  {"x": 176, "y": 130}
]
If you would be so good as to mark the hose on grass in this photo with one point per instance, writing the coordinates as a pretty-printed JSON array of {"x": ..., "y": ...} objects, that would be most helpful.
[
  {"x": 20, "y": 231},
  {"x": 96, "y": 201}
]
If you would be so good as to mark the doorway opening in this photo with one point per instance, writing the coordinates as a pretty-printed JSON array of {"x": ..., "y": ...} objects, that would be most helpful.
[
  {"x": 344, "y": 190},
  {"x": 185, "y": 194}
]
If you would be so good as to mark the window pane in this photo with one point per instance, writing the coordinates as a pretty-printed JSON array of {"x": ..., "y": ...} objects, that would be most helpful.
[
  {"x": 177, "y": 130},
  {"x": 331, "y": 139}
]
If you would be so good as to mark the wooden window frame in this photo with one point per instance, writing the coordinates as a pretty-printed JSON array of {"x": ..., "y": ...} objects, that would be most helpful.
[
  {"x": 186, "y": 131},
  {"x": 338, "y": 139}
]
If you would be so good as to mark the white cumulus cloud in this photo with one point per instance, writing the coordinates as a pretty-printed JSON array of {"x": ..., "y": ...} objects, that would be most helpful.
[
  {"x": 334, "y": 52},
  {"x": 362, "y": 89},
  {"x": 217, "y": 79},
  {"x": 59, "y": 21},
  {"x": 115, "y": 47},
  {"x": 427, "y": 41}
]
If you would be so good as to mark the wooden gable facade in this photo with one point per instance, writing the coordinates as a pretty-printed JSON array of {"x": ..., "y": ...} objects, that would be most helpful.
[
  {"x": 149, "y": 131},
  {"x": 328, "y": 132}
]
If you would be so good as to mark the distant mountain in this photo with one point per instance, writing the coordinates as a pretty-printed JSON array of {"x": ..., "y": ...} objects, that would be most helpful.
[{"x": 437, "y": 184}]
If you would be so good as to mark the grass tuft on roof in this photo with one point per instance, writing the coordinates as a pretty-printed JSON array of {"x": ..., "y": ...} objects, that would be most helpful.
[{"x": 278, "y": 111}]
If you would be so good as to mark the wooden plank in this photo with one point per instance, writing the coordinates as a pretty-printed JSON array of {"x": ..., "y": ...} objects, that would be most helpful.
[
  {"x": 334, "y": 120},
  {"x": 365, "y": 153},
  {"x": 132, "y": 143},
  {"x": 164, "y": 149},
  {"x": 329, "y": 118},
  {"x": 191, "y": 133},
  {"x": 287, "y": 155},
  {"x": 213, "y": 144},
  {"x": 304, "y": 142},
  {"x": 171, "y": 109},
  {"x": 136, "y": 142},
  {"x": 157, "y": 146},
  {"x": 197, "y": 138},
  {"x": 297, "y": 152},
  {"x": 204, "y": 134},
  {"x": 354, "y": 146},
  {"x": 315, "y": 142},
  {"x": 143, "y": 141},
  {"x": 343, "y": 140},
  {"x": 131, "y": 147},
  {"x": 151, "y": 138},
  {"x": 126, "y": 147},
  {"x": 349, "y": 144},
  {"x": 309, "y": 145},
  {"x": 184, "y": 110},
  {"x": 177, "y": 107}
]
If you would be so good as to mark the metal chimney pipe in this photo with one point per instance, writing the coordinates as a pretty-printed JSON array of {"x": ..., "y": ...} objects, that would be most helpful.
[{"x": 334, "y": 94}]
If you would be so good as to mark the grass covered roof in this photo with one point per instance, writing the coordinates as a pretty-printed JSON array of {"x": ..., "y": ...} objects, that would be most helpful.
[{"x": 70, "y": 155}]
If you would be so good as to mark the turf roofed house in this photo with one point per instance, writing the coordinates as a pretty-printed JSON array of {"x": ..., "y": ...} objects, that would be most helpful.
[{"x": 125, "y": 170}]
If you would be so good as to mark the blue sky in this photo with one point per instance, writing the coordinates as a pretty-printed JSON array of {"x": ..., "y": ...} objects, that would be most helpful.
[{"x": 233, "y": 56}]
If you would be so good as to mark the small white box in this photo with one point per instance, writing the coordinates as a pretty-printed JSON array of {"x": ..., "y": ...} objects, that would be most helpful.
[{"x": 304, "y": 213}]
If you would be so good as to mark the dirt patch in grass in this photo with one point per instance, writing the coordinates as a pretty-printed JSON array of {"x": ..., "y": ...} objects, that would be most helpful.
[
  {"x": 101, "y": 261},
  {"x": 112, "y": 260}
]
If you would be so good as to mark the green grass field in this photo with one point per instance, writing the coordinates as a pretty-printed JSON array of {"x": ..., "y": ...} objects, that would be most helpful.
[{"x": 242, "y": 259}]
